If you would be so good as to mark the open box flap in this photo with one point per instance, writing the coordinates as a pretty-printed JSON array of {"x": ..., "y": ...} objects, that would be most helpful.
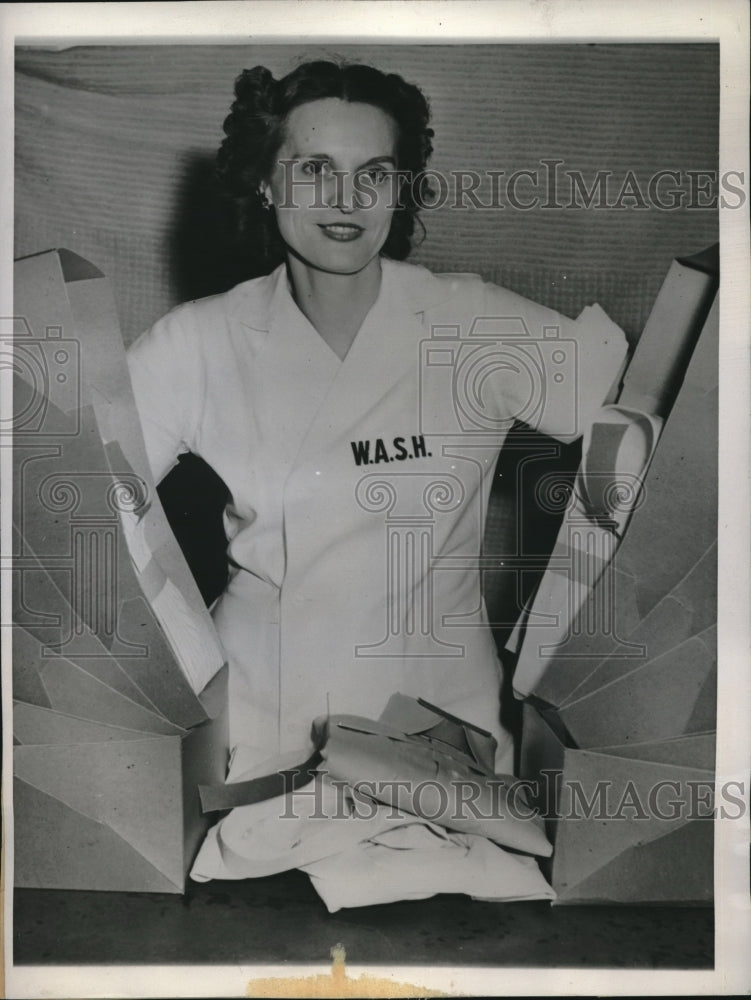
[
  {"x": 36, "y": 726},
  {"x": 109, "y": 788},
  {"x": 177, "y": 652},
  {"x": 667, "y": 536}
]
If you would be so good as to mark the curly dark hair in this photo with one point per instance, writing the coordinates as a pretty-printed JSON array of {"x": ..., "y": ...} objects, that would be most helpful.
[{"x": 254, "y": 132}]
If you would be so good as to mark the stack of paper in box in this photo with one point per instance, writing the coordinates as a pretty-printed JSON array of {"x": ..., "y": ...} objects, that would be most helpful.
[
  {"x": 618, "y": 660},
  {"x": 118, "y": 676}
]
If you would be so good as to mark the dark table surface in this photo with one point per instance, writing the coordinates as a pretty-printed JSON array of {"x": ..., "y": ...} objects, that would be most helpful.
[{"x": 281, "y": 919}]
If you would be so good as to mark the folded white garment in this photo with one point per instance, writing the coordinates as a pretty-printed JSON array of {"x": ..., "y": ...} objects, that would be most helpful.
[
  {"x": 289, "y": 831},
  {"x": 356, "y": 851},
  {"x": 419, "y": 860}
]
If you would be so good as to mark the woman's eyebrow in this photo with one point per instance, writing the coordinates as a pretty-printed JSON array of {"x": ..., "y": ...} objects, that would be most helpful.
[
  {"x": 386, "y": 158},
  {"x": 378, "y": 159}
]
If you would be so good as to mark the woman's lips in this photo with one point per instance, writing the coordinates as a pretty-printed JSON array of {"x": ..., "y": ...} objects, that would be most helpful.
[{"x": 342, "y": 232}]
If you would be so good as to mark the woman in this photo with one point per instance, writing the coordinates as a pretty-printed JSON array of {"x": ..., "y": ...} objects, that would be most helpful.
[{"x": 354, "y": 406}]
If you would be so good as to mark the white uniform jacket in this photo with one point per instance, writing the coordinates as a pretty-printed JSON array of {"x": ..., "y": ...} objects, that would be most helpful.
[{"x": 358, "y": 488}]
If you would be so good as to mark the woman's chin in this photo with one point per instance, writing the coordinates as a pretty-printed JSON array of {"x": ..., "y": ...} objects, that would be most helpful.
[{"x": 341, "y": 261}]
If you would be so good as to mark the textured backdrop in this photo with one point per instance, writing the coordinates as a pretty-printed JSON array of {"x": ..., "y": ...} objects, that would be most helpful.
[{"x": 114, "y": 147}]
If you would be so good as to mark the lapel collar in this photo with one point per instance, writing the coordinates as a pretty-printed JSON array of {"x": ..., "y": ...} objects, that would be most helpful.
[
  {"x": 407, "y": 293},
  {"x": 252, "y": 303},
  {"x": 315, "y": 394},
  {"x": 414, "y": 287},
  {"x": 385, "y": 353}
]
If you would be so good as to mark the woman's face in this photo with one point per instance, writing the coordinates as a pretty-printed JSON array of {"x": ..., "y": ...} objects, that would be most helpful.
[{"x": 332, "y": 185}]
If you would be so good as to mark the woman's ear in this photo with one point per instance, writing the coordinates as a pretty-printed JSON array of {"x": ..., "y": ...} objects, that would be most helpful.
[{"x": 267, "y": 199}]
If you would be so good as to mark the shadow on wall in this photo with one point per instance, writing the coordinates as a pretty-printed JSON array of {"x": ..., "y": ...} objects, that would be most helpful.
[
  {"x": 204, "y": 258},
  {"x": 206, "y": 255},
  {"x": 520, "y": 534}
]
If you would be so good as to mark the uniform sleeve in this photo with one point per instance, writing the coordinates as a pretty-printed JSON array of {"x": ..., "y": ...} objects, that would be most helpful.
[
  {"x": 553, "y": 373},
  {"x": 168, "y": 385}
]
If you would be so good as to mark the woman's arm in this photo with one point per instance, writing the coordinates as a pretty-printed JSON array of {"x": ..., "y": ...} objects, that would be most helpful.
[
  {"x": 168, "y": 384},
  {"x": 554, "y": 373}
]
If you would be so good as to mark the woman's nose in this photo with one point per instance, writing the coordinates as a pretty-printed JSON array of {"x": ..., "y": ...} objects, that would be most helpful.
[{"x": 342, "y": 191}]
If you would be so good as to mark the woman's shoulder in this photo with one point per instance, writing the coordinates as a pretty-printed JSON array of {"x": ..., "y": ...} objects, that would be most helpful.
[
  {"x": 424, "y": 277},
  {"x": 192, "y": 334},
  {"x": 429, "y": 289},
  {"x": 248, "y": 299}
]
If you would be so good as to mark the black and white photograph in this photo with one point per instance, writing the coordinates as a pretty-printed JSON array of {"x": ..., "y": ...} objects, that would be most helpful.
[{"x": 375, "y": 545}]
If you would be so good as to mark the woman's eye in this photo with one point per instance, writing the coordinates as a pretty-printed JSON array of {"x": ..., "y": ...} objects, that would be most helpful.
[
  {"x": 312, "y": 167},
  {"x": 377, "y": 174}
]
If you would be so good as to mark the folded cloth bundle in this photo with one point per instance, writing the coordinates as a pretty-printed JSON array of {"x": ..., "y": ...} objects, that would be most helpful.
[
  {"x": 290, "y": 831},
  {"x": 419, "y": 860},
  {"x": 359, "y": 843},
  {"x": 426, "y": 762}
]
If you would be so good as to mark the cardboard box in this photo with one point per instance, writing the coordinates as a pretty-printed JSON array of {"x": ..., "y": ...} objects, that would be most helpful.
[
  {"x": 655, "y": 590},
  {"x": 618, "y": 728},
  {"x": 630, "y": 823},
  {"x": 118, "y": 677},
  {"x": 97, "y": 806}
]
